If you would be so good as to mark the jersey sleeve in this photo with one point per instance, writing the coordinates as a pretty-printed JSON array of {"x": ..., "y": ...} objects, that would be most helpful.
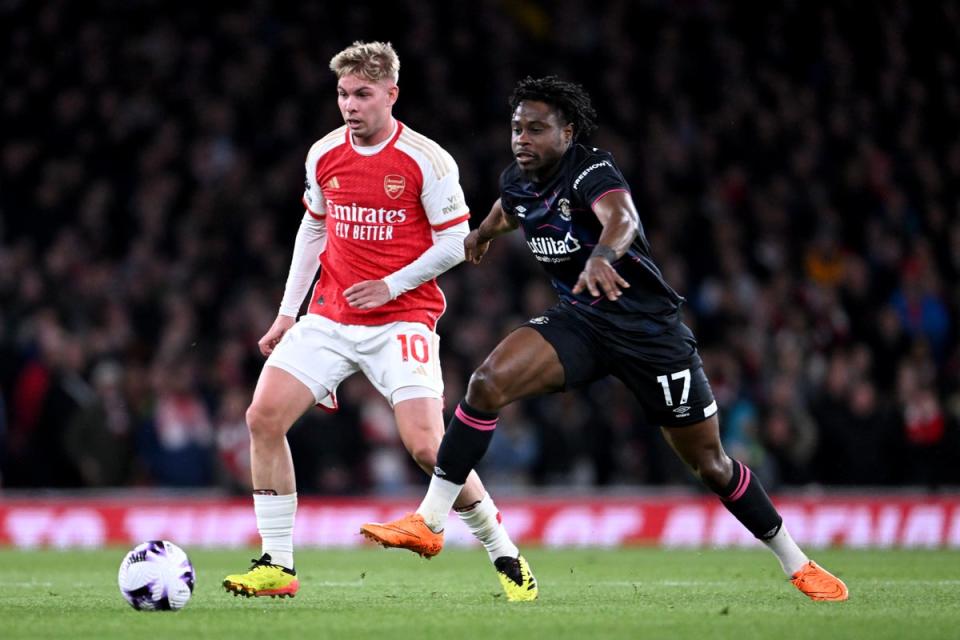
[
  {"x": 442, "y": 196},
  {"x": 506, "y": 202},
  {"x": 597, "y": 177},
  {"x": 312, "y": 195}
]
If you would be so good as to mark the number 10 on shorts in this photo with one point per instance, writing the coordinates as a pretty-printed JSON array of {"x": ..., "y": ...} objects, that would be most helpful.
[{"x": 415, "y": 346}]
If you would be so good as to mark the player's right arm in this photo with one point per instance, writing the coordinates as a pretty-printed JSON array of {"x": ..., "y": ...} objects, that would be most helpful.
[
  {"x": 310, "y": 243},
  {"x": 497, "y": 223}
]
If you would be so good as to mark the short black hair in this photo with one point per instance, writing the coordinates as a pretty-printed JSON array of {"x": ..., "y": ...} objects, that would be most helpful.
[{"x": 568, "y": 98}]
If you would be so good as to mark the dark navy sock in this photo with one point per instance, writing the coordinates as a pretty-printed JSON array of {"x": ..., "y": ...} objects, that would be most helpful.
[
  {"x": 465, "y": 443},
  {"x": 746, "y": 499}
]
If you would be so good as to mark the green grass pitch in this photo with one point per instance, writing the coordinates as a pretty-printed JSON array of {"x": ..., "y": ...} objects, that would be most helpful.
[{"x": 584, "y": 594}]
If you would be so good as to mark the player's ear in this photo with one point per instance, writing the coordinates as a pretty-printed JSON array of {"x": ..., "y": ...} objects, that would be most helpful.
[
  {"x": 393, "y": 92},
  {"x": 567, "y": 133}
]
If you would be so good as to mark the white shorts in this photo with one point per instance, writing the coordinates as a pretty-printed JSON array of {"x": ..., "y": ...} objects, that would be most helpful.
[{"x": 400, "y": 359}]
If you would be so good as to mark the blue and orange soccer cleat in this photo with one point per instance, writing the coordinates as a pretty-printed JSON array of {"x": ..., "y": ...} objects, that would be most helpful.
[{"x": 263, "y": 579}]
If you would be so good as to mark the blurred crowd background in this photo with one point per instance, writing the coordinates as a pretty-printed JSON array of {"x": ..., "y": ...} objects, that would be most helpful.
[{"x": 796, "y": 166}]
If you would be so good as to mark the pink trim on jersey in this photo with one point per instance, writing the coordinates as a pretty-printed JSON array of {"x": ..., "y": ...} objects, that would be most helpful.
[
  {"x": 742, "y": 485},
  {"x": 476, "y": 423},
  {"x": 597, "y": 199},
  {"x": 450, "y": 223}
]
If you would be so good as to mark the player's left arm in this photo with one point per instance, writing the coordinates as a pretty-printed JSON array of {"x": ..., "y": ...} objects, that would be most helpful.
[
  {"x": 446, "y": 252},
  {"x": 446, "y": 209},
  {"x": 620, "y": 221}
]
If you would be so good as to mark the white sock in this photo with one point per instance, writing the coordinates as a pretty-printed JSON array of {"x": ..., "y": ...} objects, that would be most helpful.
[
  {"x": 437, "y": 503},
  {"x": 483, "y": 521},
  {"x": 790, "y": 555},
  {"x": 275, "y": 516}
]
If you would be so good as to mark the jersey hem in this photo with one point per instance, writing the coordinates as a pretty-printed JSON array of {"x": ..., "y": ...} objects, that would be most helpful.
[{"x": 423, "y": 317}]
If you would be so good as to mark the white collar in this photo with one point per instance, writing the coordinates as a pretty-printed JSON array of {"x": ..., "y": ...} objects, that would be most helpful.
[{"x": 377, "y": 148}]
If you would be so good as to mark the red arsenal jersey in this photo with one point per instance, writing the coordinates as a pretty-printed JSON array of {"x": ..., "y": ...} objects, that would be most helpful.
[{"x": 381, "y": 205}]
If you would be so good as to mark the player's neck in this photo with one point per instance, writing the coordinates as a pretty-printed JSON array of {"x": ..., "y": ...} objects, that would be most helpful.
[
  {"x": 382, "y": 134},
  {"x": 544, "y": 174}
]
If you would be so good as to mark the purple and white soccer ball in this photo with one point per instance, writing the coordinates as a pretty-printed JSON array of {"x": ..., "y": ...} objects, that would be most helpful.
[{"x": 156, "y": 576}]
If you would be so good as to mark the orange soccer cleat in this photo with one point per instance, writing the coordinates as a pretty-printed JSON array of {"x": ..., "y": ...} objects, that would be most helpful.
[
  {"x": 409, "y": 532},
  {"x": 819, "y": 584}
]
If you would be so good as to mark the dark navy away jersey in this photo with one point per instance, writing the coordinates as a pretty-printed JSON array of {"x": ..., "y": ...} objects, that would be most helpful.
[{"x": 561, "y": 230}]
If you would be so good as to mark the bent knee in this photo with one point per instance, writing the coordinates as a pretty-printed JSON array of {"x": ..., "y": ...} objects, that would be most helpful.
[
  {"x": 265, "y": 421},
  {"x": 425, "y": 456},
  {"x": 487, "y": 389},
  {"x": 714, "y": 468},
  {"x": 423, "y": 446}
]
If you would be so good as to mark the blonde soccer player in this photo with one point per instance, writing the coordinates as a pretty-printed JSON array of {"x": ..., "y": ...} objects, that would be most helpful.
[{"x": 385, "y": 214}]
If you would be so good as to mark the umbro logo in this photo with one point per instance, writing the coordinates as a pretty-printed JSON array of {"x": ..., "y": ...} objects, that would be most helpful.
[
  {"x": 440, "y": 473},
  {"x": 540, "y": 320},
  {"x": 682, "y": 411},
  {"x": 332, "y": 183},
  {"x": 521, "y": 211}
]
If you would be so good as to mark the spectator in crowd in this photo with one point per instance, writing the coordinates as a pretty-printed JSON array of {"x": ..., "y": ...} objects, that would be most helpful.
[
  {"x": 98, "y": 439},
  {"x": 802, "y": 193}
]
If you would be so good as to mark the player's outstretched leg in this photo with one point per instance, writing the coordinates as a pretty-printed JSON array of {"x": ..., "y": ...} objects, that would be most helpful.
[
  {"x": 422, "y": 532},
  {"x": 523, "y": 364},
  {"x": 744, "y": 496},
  {"x": 473, "y": 505},
  {"x": 463, "y": 446}
]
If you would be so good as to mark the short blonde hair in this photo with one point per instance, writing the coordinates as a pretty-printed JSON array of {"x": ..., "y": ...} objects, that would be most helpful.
[{"x": 374, "y": 61}]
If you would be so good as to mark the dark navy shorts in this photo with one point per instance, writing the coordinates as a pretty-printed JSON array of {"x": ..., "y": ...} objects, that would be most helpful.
[{"x": 662, "y": 368}]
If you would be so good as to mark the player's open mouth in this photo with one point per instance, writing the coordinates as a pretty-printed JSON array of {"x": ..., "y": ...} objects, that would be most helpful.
[
  {"x": 353, "y": 122},
  {"x": 524, "y": 156}
]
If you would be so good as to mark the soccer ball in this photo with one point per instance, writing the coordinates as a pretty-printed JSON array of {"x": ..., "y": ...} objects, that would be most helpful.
[{"x": 156, "y": 576}]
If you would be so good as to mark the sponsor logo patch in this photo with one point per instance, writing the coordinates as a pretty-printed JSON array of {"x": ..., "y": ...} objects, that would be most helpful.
[
  {"x": 583, "y": 174},
  {"x": 546, "y": 249}
]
